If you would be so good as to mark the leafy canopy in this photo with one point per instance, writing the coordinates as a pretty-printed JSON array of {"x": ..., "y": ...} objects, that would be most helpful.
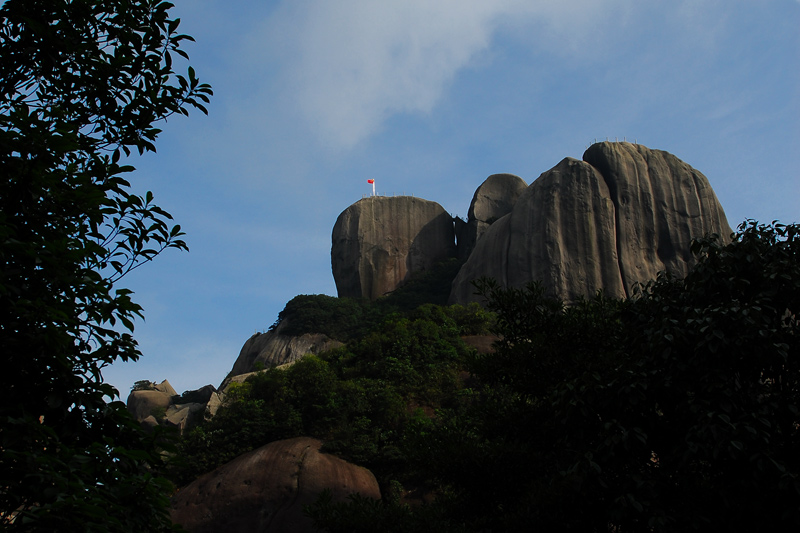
[
  {"x": 82, "y": 83},
  {"x": 675, "y": 410},
  {"x": 358, "y": 398}
]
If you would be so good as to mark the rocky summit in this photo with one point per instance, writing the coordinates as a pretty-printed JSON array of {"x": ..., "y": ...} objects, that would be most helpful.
[
  {"x": 378, "y": 242},
  {"x": 619, "y": 216}
]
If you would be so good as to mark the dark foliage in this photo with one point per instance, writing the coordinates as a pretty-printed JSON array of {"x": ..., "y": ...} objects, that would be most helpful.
[
  {"x": 718, "y": 366},
  {"x": 674, "y": 411},
  {"x": 81, "y": 83},
  {"x": 348, "y": 318},
  {"x": 338, "y": 318},
  {"x": 365, "y": 515},
  {"x": 427, "y": 287},
  {"x": 358, "y": 398}
]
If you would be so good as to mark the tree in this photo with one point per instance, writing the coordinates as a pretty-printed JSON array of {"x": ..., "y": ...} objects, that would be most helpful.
[
  {"x": 675, "y": 410},
  {"x": 716, "y": 358},
  {"x": 82, "y": 83},
  {"x": 688, "y": 419}
]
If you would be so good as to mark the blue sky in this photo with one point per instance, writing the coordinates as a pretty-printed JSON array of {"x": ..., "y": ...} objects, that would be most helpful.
[{"x": 314, "y": 97}]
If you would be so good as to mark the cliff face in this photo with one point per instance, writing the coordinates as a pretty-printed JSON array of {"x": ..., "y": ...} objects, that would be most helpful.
[
  {"x": 561, "y": 231},
  {"x": 379, "y": 242},
  {"x": 661, "y": 204},
  {"x": 618, "y": 217}
]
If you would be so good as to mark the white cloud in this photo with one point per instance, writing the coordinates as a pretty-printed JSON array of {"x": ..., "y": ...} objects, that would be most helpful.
[
  {"x": 351, "y": 64},
  {"x": 341, "y": 69}
]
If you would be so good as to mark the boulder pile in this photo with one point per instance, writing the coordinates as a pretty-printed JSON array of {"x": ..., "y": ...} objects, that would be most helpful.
[{"x": 617, "y": 217}]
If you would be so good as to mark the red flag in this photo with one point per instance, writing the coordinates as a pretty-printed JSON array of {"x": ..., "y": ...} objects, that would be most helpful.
[{"x": 370, "y": 181}]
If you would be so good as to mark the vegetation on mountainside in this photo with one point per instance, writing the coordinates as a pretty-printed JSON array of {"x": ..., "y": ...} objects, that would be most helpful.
[
  {"x": 349, "y": 318},
  {"x": 358, "y": 398},
  {"x": 82, "y": 84},
  {"x": 674, "y": 410}
]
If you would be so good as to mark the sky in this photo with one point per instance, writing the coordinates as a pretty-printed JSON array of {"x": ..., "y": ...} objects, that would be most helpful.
[{"x": 314, "y": 97}]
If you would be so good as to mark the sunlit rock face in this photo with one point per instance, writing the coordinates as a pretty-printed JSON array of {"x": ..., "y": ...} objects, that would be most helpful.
[
  {"x": 273, "y": 348},
  {"x": 142, "y": 403},
  {"x": 379, "y": 242},
  {"x": 265, "y": 490},
  {"x": 661, "y": 204},
  {"x": 618, "y": 217},
  {"x": 492, "y": 200}
]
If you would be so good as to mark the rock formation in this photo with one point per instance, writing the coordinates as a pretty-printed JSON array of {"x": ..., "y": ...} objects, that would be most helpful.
[
  {"x": 158, "y": 404},
  {"x": 184, "y": 416},
  {"x": 378, "y": 242},
  {"x": 618, "y": 217},
  {"x": 273, "y": 348},
  {"x": 265, "y": 490},
  {"x": 492, "y": 200},
  {"x": 661, "y": 205},
  {"x": 149, "y": 398}
]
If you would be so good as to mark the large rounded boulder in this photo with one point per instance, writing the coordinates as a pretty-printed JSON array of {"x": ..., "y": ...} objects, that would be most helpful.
[
  {"x": 493, "y": 199},
  {"x": 379, "y": 242},
  {"x": 561, "y": 231},
  {"x": 661, "y": 204},
  {"x": 265, "y": 490},
  {"x": 150, "y": 398}
]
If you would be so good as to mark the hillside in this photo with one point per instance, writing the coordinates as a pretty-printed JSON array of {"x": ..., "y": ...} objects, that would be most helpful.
[{"x": 667, "y": 406}]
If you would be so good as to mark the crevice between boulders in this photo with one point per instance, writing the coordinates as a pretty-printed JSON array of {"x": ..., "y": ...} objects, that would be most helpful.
[{"x": 613, "y": 192}]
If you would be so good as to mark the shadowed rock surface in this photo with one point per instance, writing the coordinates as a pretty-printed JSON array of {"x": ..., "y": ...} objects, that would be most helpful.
[
  {"x": 378, "y": 242},
  {"x": 619, "y": 217},
  {"x": 492, "y": 200},
  {"x": 273, "y": 348},
  {"x": 265, "y": 490},
  {"x": 184, "y": 416},
  {"x": 213, "y": 405}
]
